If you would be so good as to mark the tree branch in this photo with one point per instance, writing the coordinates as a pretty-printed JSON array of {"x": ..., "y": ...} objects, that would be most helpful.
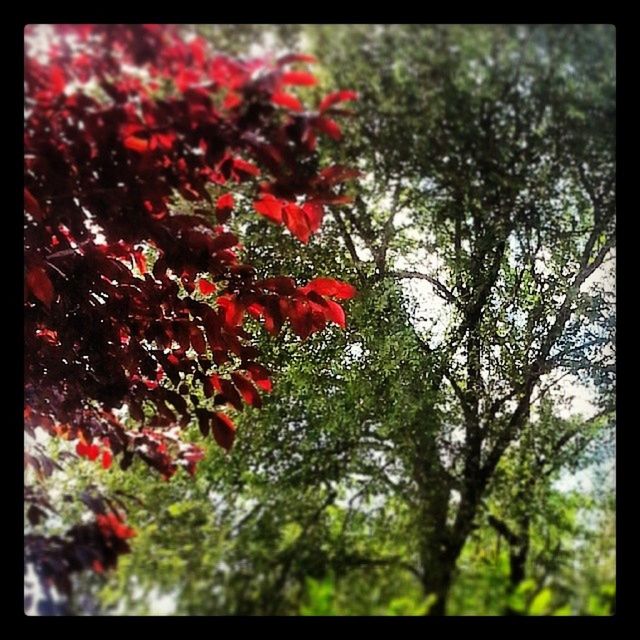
[
  {"x": 444, "y": 293},
  {"x": 503, "y": 529}
]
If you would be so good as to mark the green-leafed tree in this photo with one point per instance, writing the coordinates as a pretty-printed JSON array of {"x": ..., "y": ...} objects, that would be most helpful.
[{"x": 491, "y": 152}]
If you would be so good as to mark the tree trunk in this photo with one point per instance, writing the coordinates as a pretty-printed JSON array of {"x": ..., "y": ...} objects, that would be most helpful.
[
  {"x": 435, "y": 543},
  {"x": 439, "y": 553},
  {"x": 436, "y": 581},
  {"x": 518, "y": 554}
]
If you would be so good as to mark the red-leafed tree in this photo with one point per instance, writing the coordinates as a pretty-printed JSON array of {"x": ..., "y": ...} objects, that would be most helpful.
[{"x": 120, "y": 121}]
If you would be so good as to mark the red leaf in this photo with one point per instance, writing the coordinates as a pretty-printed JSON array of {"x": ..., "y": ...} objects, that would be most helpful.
[
  {"x": 136, "y": 144},
  {"x": 299, "y": 78},
  {"x": 259, "y": 375},
  {"x": 107, "y": 458},
  {"x": 233, "y": 310},
  {"x": 281, "y": 285},
  {"x": 206, "y": 288},
  {"x": 296, "y": 221},
  {"x": 242, "y": 165},
  {"x": 335, "y": 97},
  {"x": 337, "y": 173},
  {"x": 140, "y": 261},
  {"x": 198, "y": 50},
  {"x": 230, "y": 394},
  {"x": 335, "y": 313},
  {"x": 31, "y": 205},
  {"x": 82, "y": 449},
  {"x": 286, "y": 100},
  {"x": 47, "y": 334},
  {"x": 331, "y": 287},
  {"x": 123, "y": 532},
  {"x": 164, "y": 141},
  {"x": 40, "y": 286},
  {"x": 224, "y": 206},
  {"x": 225, "y": 201},
  {"x": 197, "y": 340},
  {"x": 314, "y": 212},
  {"x": 58, "y": 81},
  {"x": 295, "y": 57},
  {"x": 247, "y": 390},
  {"x": 328, "y": 126},
  {"x": 93, "y": 452},
  {"x": 270, "y": 207},
  {"x": 224, "y": 431},
  {"x": 215, "y": 381},
  {"x": 232, "y": 100},
  {"x": 301, "y": 318}
]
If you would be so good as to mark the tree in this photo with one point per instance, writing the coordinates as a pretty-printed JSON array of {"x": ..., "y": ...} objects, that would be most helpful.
[
  {"x": 498, "y": 165},
  {"x": 365, "y": 483},
  {"x": 138, "y": 147},
  {"x": 524, "y": 489},
  {"x": 488, "y": 156}
]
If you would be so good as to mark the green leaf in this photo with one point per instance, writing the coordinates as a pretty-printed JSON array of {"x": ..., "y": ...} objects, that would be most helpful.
[{"x": 540, "y": 604}]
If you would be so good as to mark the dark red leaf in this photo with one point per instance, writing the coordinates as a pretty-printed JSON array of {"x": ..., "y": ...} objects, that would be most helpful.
[
  {"x": 40, "y": 286},
  {"x": 295, "y": 57},
  {"x": 328, "y": 126},
  {"x": 281, "y": 285},
  {"x": 224, "y": 431},
  {"x": 31, "y": 205},
  {"x": 246, "y": 389},
  {"x": 224, "y": 206},
  {"x": 230, "y": 394},
  {"x": 197, "y": 340},
  {"x": 204, "y": 421},
  {"x": 223, "y": 241},
  {"x": 259, "y": 375}
]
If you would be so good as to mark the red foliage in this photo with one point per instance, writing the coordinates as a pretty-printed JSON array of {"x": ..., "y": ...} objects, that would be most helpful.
[{"x": 119, "y": 119}]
